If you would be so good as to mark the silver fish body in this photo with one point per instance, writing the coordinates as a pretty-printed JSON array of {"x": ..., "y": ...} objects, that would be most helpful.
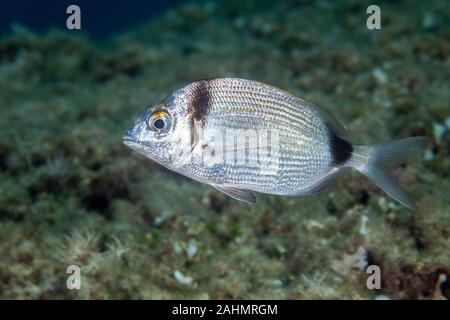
[{"x": 241, "y": 136}]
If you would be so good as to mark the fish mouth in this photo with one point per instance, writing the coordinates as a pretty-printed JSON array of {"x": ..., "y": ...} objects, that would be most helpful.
[
  {"x": 134, "y": 144},
  {"x": 129, "y": 140}
]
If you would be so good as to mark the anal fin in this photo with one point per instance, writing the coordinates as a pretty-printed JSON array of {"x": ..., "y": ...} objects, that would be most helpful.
[
  {"x": 324, "y": 182},
  {"x": 236, "y": 193}
]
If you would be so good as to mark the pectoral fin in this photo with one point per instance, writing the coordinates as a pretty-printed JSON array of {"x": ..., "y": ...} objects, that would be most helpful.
[{"x": 236, "y": 193}]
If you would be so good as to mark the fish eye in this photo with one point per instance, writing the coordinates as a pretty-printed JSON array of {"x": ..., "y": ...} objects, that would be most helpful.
[
  {"x": 159, "y": 121},
  {"x": 159, "y": 124}
]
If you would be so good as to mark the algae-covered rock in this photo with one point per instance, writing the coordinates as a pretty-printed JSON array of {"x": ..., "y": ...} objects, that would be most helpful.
[{"x": 72, "y": 194}]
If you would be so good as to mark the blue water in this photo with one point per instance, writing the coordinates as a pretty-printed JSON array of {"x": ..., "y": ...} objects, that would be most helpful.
[{"x": 98, "y": 17}]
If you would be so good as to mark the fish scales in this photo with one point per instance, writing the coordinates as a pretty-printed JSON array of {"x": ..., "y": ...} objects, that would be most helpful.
[{"x": 254, "y": 111}]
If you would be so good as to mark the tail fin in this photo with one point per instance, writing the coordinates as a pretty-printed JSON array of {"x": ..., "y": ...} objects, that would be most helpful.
[{"x": 376, "y": 161}]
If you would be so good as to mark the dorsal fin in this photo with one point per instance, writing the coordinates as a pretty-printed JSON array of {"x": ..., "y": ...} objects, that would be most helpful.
[{"x": 331, "y": 121}]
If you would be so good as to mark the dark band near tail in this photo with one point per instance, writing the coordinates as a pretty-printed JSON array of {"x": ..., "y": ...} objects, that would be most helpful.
[{"x": 341, "y": 150}]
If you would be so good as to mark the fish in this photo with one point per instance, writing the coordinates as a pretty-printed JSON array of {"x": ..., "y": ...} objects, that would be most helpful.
[{"x": 244, "y": 137}]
